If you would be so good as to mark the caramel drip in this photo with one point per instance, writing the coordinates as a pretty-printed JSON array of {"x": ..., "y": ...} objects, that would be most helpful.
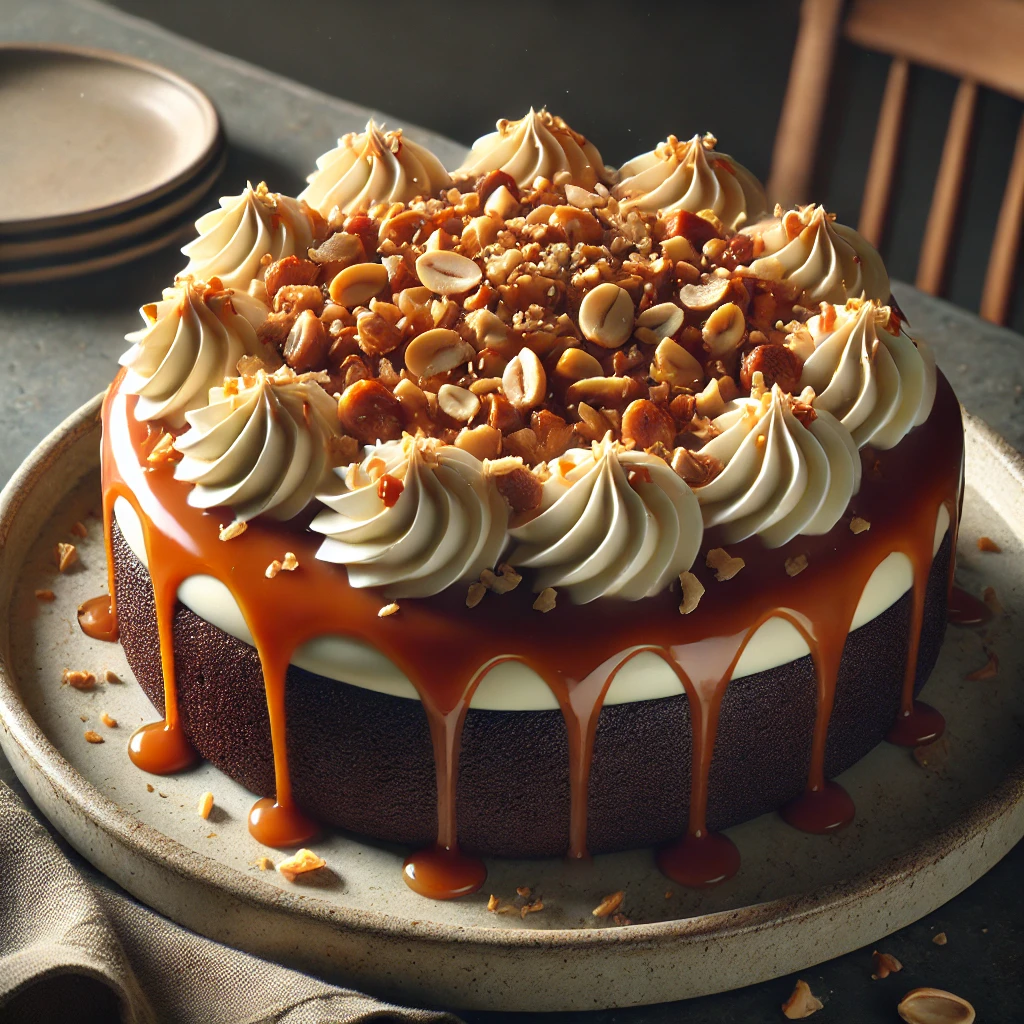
[
  {"x": 966, "y": 610},
  {"x": 440, "y": 645},
  {"x": 98, "y": 618}
]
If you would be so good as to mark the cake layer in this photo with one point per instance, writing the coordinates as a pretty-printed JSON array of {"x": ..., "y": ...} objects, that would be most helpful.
[
  {"x": 513, "y": 686},
  {"x": 348, "y": 745}
]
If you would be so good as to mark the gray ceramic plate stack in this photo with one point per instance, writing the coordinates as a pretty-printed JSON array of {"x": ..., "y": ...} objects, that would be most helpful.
[{"x": 103, "y": 158}]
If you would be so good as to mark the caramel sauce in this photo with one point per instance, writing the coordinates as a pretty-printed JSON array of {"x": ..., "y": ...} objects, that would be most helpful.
[
  {"x": 98, "y": 618},
  {"x": 446, "y": 649},
  {"x": 966, "y": 610}
]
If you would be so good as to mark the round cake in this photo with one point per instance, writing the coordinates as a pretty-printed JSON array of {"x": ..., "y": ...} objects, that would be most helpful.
[{"x": 530, "y": 507}]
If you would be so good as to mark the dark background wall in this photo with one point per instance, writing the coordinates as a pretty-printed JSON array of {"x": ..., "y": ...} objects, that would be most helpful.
[{"x": 626, "y": 75}]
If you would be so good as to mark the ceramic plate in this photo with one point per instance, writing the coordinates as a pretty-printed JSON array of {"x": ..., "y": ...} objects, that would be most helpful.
[
  {"x": 920, "y": 835},
  {"x": 86, "y": 134}
]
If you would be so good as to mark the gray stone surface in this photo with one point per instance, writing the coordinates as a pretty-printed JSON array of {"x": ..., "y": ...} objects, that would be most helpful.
[{"x": 59, "y": 345}]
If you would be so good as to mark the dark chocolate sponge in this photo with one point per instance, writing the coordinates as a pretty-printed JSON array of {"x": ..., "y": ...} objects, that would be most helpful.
[{"x": 362, "y": 760}]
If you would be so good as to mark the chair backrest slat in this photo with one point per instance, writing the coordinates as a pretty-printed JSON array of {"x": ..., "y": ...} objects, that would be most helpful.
[
  {"x": 979, "y": 40},
  {"x": 995, "y": 297},
  {"x": 938, "y": 232},
  {"x": 874, "y": 207}
]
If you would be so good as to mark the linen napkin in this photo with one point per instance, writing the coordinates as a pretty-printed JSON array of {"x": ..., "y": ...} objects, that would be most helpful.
[{"x": 72, "y": 950}]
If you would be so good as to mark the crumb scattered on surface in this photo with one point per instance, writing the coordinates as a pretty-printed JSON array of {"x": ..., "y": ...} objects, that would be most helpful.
[
  {"x": 693, "y": 591},
  {"x": 493, "y": 903},
  {"x": 290, "y": 562},
  {"x": 987, "y": 671},
  {"x": 796, "y": 565},
  {"x": 91, "y": 736},
  {"x": 609, "y": 904},
  {"x": 669, "y": 894},
  {"x": 524, "y": 890},
  {"x": 45, "y": 595},
  {"x": 388, "y": 609},
  {"x": 859, "y": 525},
  {"x": 205, "y": 805},
  {"x": 531, "y": 908},
  {"x": 163, "y": 451},
  {"x": 110, "y": 677},
  {"x": 939, "y": 938},
  {"x": 621, "y": 919},
  {"x": 546, "y": 600},
  {"x": 475, "y": 594},
  {"x": 233, "y": 530},
  {"x": 109, "y": 721},
  {"x": 884, "y": 964},
  {"x": 78, "y": 678},
  {"x": 78, "y": 530},
  {"x": 264, "y": 863},
  {"x": 724, "y": 564},
  {"x": 300, "y": 863},
  {"x": 988, "y": 544},
  {"x": 66, "y": 556},
  {"x": 273, "y": 569},
  {"x": 801, "y": 1003},
  {"x": 150, "y": 788}
]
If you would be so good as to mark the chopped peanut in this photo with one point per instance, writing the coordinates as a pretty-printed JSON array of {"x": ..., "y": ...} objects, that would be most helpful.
[
  {"x": 108, "y": 721},
  {"x": 66, "y": 556},
  {"x": 91, "y": 736},
  {"x": 300, "y": 863},
  {"x": 205, "y": 805}
]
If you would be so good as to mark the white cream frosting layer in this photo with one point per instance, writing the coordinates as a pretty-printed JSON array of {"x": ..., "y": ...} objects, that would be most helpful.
[
  {"x": 779, "y": 478},
  {"x": 512, "y": 686},
  {"x": 690, "y": 176},
  {"x": 830, "y": 262},
  {"x": 879, "y": 385},
  {"x": 192, "y": 340},
  {"x": 448, "y": 523},
  {"x": 234, "y": 238},
  {"x": 538, "y": 145},
  {"x": 599, "y": 534},
  {"x": 260, "y": 445},
  {"x": 372, "y": 167}
]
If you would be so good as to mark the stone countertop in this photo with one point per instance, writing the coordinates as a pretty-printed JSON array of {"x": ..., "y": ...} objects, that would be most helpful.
[{"x": 60, "y": 344}]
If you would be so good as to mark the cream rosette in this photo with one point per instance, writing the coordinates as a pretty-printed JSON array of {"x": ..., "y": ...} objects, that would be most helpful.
[
  {"x": 192, "y": 340},
  {"x": 880, "y": 385},
  {"x": 612, "y": 523},
  {"x": 234, "y": 238},
  {"x": 829, "y": 261},
  {"x": 779, "y": 478},
  {"x": 261, "y": 445},
  {"x": 691, "y": 176},
  {"x": 447, "y": 524},
  {"x": 374, "y": 166},
  {"x": 538, "y": 145}
]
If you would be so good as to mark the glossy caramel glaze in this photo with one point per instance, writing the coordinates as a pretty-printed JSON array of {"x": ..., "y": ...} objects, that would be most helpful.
[{"x": 446, "y": 649}]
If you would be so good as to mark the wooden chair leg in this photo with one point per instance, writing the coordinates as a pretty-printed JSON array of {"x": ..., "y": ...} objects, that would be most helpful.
[{"x": 1002, "y": 262}]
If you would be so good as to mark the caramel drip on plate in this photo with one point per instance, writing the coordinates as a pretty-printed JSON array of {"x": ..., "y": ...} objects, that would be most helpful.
[
  {"x": 446, "y": 649},
  {"x": 98, "y": 618}
]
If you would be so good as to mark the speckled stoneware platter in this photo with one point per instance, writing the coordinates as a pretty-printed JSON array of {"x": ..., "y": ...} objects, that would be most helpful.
[{"x": 921, "y": 835}]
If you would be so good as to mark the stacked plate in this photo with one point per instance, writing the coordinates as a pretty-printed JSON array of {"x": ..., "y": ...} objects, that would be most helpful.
[{"x": 103, "y": 158}]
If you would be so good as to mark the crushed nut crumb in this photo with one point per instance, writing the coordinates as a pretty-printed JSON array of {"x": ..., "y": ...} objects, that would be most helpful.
[
  {"x": 110, "y": 677},
  {"x": 388, "y": 609},
  {"x": 801, "y": 1003},
  {"x": 939, "y": 938},
  {"x": 493, "y": 903},
  {"x": 988, "y": 544},
  {"x": 531, "y": 908},
  {"x": 45, "y": 595},
  {"x": 150, "y": 788},
  {"x": 66, "y": 556},
  {"x": 859, "y": 525},
  {"x": 300, "y": 863},
  {"x": 724, "y": 564},
  {"x": 609, "y": 904},
  {"x": 233, "y": 530},
  {"x": 693, "y": 591},
  {"x": 273, "y": 569},
  {"x": 669, "y": 894},
  {"x": 163, "y": 451},
  {"x": 475, "y": 594},
  {"x": 545, "y": 600},
  {"x": 109, "y": 721},
  {"x": 524, "y": 890},
  {"x": 78, "y": 678},
  {"x": 91, "y": 736},
  {"x": 205, "y": 805},
  {"x": 883, "y": 964},
  {"x": 264, "y": 863},
  {"x": 796, "y": 565},
  {"x": 987, "y": 671},
  {"x": 505, "y": 580},
  {"x": 621, "y": 919},
  {"x": 290, "y": 562},
  {"x": 78, "y": 529}
]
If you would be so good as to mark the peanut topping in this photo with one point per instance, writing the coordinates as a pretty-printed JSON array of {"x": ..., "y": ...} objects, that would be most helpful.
[
  {"x": 858, "y": 525},
  {"x": 674, "y": 365},
  {"x": 108, "y": 721},
  {"x": 935, "y": 1006},
  {"x": 606, "y": 315},
  {"x": 693, "y": 591},
  {"x": 524, "y": 380},
  {"x": 796, "y": 565},
  {"x": 356, "y": 285},
  {"x": 300, "y": 863},
  {"x": 723, "y": 330},
  {"x": 609, "y": 904},
  {"x": 66, "y": 555},
  {"x": 205, "y": 805},
  {"x": 724, "y": 564},
  {"x": 884, "y": 964},
  {"x": 79, "y": 679},
  {"x": 233, "y": 530},
  {"x": 91, "y": 736},
  {"x": 801, "y": 1003},
  {"x": 546, "y": 600},
  {"x": 657, "y": 322},
  {"x": 447, "y": 273},
  {"x": 436, "y": 351}
]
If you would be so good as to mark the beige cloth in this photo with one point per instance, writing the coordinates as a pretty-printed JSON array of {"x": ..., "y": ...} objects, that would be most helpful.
[{"x": 72, "y": 950}]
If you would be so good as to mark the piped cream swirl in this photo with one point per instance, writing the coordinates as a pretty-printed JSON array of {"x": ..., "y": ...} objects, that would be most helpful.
[
  {"x": 690, "y": 176},
  {"x": 779, "y": 478},
  {"x": 234, "y": 238},
  {"x": 612, "y": 523},
  {"x": 880, "y": 385},
  {"x": 448, "y": 523},
  {"x": 370, "y": 167},
  {"x": 829, "y": 261},
  {"x": 261, "y": 446},
  {"x": 192, "y": 340},
  {"x": 538, "y": 145}
]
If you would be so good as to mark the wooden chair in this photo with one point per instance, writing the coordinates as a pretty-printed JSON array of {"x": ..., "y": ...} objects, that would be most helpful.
[{"x": 981, "y": 42}]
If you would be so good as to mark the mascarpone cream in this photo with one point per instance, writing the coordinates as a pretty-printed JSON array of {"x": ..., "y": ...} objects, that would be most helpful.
[
  {"x": 612, "y": 523},
  {"x": 779, "y": 478},
  {"x": 372, "y": 167},
  {"x": 260, "y": 446},
  {"x": 690, "y": 176},
  {"x": 414, "y": 517}
]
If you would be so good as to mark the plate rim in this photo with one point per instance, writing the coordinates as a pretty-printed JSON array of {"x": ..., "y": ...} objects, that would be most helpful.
[
  {"x": 18, "y": 726},
  {"x": 210, "y": 117}
]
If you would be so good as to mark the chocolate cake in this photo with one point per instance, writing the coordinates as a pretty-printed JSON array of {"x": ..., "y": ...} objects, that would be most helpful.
[{"x": 528, "y": 508}]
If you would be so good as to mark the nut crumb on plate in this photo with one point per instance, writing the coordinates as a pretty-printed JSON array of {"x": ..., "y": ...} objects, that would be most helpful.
[
  {"x": 91, "y": 736},
  {"x": 493, "y": 903},
  {"x": 108, "y": 721},
  {"x": 233, "y": 529},
  {"x": 884, "y": 964},
  {"x": 264, "y": 863},
  {"x": 205, "y": 805},
  {"x": 724, "y": 564},
  {"x": 475, "y": 594},
  {"x": 45, "y": 595},
  {"x": 545, "y": 600},
  {"x": 78, "y": 529},
  {"x": 859, "y": 525},
  {"x": 988, "y": 544},
  {"x": 609, "y": 904},
  {"x": 66, "y": 556},
  {"x": 693, "y": 591},
  {"x": 300, "y": 863},
  {"x": 796, "y": 565},
  {"x": 110, "y": 676},
  {"x": 987, "y": 671},
  {"x": 939, "y": 938},
  {"x": 79, "y": 679},
  {"x": 935, "y": 1006},
  {"x": 531, "y": 908},
  {"x": 801, "y": 1003},
  {"x": 388, "y": 609}
]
